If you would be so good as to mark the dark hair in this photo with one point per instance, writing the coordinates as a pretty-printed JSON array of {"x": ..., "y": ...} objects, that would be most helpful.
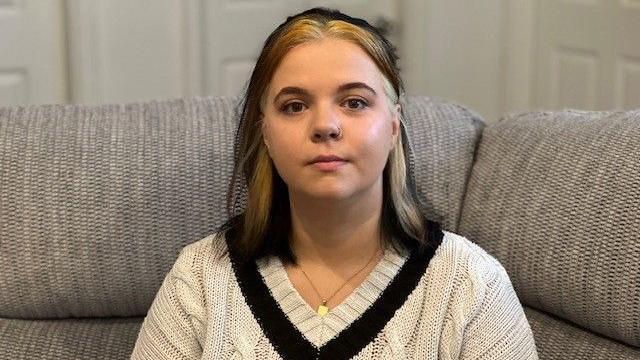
[{"x": 264, "y": 226}]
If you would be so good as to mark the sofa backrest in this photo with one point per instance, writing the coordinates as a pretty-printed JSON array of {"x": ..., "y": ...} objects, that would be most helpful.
[
  {"x": 97, "y": 201},
  {"x": 555, "y": 196}
]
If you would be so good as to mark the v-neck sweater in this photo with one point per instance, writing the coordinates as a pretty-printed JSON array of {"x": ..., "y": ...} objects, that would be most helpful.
[
  {"x": 455, "y": 302},
  {"x": 319, "y": 329}
]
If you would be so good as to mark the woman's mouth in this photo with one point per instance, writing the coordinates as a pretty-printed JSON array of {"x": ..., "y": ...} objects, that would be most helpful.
[
  {"x": 327, "y": 162},
  {"x": 328, "y": 165}
]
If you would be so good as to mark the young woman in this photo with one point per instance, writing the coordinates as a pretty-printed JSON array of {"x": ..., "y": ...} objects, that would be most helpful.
[{"x": 331, "y": 258}]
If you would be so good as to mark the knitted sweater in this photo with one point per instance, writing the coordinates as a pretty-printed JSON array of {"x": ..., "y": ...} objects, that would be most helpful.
[{"x": 457, "y": 302}]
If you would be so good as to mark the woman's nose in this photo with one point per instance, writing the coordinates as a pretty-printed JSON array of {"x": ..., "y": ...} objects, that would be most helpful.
[{"x": 326, "y": 125}]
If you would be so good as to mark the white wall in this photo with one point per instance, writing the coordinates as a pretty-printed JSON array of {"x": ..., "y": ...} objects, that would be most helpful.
[
  {"x": 493, "y": 56},
  {"x": 457, "y": 45},
  {"x": 123, "y": 51},
  {"x": 135, "y": 50},
  {"x": 33, "y": 62},
  {"x": 502, "y": 56}
]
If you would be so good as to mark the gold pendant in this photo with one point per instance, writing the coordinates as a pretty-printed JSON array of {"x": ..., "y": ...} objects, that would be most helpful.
[{"x": 323, "y": 309}]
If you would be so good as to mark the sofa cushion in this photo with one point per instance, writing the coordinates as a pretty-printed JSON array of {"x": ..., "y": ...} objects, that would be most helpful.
[
  {"x": 554, "y": 197},
  {"x": 557, "y": 339},
  {"x": 443, "y": 137},
  {"x": 103, "y": 339},
  {"x": 97, "y": 201}
]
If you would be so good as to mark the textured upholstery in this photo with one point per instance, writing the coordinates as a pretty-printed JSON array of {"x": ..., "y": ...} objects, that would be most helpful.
[
  {"x": 560, "y": 340},
  {"x": 68, "y": 339},
  {"x": 444, "y": 136},
  {"x": 554, "y": 197},
  {"x": 97, "y": 201}
]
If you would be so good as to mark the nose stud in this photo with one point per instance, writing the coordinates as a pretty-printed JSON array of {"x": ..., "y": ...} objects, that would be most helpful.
[
  {"x": 339, "y": 133},
  {"x": 334, "y": 134}
]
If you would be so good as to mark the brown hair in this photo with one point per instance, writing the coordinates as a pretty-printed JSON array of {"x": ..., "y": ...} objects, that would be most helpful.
[{"x": 263, "y": 228}]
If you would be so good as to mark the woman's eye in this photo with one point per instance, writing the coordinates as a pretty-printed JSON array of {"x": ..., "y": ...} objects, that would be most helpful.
[
  {"x": 354, "y": 104},
  {"x": 292, "y": 107},
  {"x": 297, "y": 107}
]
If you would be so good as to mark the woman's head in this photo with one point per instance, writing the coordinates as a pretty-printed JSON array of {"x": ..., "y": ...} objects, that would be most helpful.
[
  {"x": 327, "y": 97},
  {"x": 324, "y": 83}
]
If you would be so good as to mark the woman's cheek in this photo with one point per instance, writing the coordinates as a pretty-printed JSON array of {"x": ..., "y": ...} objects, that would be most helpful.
[
  {"x": 374, "y": 136},
  {"x": 285, "y": 161}
]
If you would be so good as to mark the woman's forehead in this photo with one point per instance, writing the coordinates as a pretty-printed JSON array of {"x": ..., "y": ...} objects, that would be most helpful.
[{"x": 325, "y": 64}]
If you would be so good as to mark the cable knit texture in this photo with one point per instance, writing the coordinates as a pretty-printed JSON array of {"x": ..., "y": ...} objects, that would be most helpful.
[{"x": 463, "y": 307}]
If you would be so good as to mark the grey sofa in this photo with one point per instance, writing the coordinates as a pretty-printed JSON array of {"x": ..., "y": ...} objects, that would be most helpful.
[{"x": 97, "y": 201}]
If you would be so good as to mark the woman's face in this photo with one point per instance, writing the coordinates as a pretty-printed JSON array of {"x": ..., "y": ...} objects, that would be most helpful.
[{"x": 319, "y": 88}]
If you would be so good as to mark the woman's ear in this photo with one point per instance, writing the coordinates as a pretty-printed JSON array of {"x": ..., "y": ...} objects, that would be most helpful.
[
  {"x": 265, "y": 136},
  {"x": 395, "y": 126},
  {"x": 266, "y": 143}
]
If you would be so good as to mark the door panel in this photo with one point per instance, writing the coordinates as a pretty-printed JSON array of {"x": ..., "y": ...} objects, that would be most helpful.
[
  {"x": 33, "y": 61},
  {"x": 588, "y": 54}
]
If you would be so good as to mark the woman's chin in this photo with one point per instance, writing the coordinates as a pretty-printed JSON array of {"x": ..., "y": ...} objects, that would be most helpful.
[{"x": 326, "y": 194}]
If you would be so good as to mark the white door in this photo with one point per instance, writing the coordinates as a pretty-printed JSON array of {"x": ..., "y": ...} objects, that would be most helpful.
[
  {"x": 234, "y": 32},
  {"x": 588, "y": 54},
  {"x": 32, "y": 48}
]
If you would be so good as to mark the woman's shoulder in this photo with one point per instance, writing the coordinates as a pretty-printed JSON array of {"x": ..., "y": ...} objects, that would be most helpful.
[
  {"x": 211, "y": 245},
  {"x": 469, "y": 272},
  {"x": 208, "y": 251},
  {"x": 469, "y": 258},
  {"x": 477, "y": 293},
  {"x": 463, "y": 246}
]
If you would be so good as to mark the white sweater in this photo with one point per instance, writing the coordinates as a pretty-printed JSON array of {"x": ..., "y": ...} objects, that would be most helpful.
[{"x": 459, "y": 304}]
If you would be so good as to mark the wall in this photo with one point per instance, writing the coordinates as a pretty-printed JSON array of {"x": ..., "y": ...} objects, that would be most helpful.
[{"x": 493, "y": 56}]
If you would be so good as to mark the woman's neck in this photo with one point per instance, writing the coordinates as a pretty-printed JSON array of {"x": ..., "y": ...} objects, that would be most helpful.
[{"x": 335, "y": 234}]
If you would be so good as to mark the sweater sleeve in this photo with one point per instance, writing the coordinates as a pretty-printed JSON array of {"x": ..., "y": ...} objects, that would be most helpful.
[
  {"x": 174, "y": 323},
  {"x": 499, "y": 328}
]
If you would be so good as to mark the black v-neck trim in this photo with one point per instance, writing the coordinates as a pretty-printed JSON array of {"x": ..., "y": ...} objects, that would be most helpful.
[{"x": 290, "y": 343}]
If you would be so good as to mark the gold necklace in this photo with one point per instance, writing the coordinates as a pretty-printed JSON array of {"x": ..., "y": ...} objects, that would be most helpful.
[{"x": 323, "y": 309}]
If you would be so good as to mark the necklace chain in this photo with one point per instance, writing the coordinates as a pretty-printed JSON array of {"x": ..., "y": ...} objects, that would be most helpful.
[{"x": 323, "y": 309}]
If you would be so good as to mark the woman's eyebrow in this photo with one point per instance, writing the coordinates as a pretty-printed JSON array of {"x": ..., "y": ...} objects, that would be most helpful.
[{"x": 294, "y": 90}]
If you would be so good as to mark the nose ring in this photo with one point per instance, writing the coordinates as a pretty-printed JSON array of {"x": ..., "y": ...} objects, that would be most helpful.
[{"x": 339, "y": 133}]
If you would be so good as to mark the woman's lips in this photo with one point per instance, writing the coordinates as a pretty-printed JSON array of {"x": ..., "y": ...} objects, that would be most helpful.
[{"x": 328, "y": 165}]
